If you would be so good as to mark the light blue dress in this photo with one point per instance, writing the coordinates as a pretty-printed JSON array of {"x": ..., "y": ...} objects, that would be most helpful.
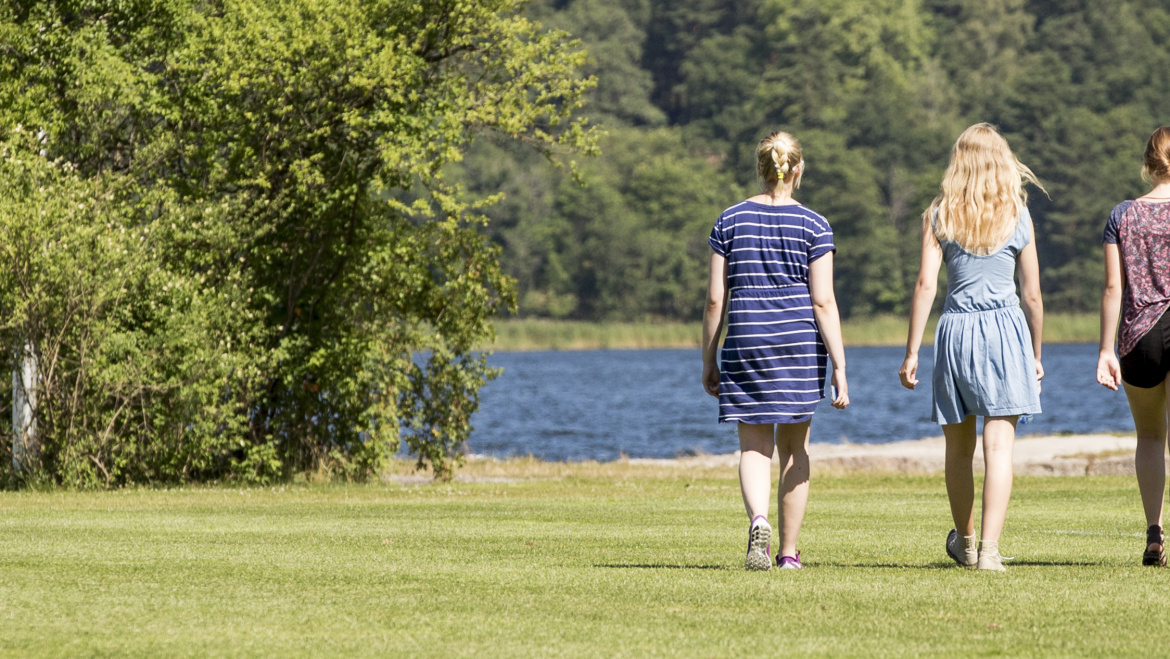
[{"x": 983, "y": 359}]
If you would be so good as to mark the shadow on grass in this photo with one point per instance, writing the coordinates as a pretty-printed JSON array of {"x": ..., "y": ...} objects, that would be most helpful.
[
  {"x": 650, "y": 566},
  {"x": 952, "y": 566},
  {"x": 1057, "y": 563},
  {"x": 885, "y": 566},
  {"x": 878, "y": 566}
]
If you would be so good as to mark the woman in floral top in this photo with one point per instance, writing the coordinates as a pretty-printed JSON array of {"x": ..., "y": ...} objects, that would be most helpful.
[{"x": 1137, "y": 288}]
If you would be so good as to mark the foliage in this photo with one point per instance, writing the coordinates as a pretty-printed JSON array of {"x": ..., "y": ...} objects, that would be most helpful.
[
  {"x": 618, "y": 243},
  {"x": 134, "y": 358},
  {"x": 291, "y": 245},
  {"x": 877, "y": 92}
]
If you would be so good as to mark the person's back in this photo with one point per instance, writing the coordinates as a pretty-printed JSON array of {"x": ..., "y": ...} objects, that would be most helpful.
[
  {"x": 768, "y": 246},
  {"x": 770, "y": 325},
  {"x": 1141, "y": 229},
  {"x": 986, "y": 349},
  {"x": 1137, "y": 291},
  {"x": 983, "y": 282},
  {"x": 770, "y": 278}
]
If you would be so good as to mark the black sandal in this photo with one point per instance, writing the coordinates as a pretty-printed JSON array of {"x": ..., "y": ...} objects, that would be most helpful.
[{"x": 1154, "y": 537}]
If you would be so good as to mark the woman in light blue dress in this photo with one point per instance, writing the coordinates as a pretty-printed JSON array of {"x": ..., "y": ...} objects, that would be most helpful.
[{"x": 986, "y": 349}]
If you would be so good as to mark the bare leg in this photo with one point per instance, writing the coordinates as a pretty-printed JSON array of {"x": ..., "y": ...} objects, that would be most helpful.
[
  {"x": 960, "y": 481},
  {"x": 1148, "y": 407},
  {"x": 999, "y": 438},
  {"x": 792, "y": 443},
  {"x": 756, "y": 443}
]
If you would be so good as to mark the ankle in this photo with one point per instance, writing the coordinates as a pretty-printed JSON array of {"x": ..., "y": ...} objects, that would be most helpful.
[{"x": 1154, "y": 535}]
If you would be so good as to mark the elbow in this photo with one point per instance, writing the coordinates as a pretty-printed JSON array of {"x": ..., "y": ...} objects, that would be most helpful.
[
  {"x": 925, "y": 289},
  {"x": 824, "y": 305},
  {"x": 1033, "y": 300}
]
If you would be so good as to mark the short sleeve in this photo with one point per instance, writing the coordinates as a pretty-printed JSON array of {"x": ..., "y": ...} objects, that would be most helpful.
[
  {"x": 1113, "y": 225},
  {"x": 1025, "y": 226},
  {"x": 718, "y": 239},
  {"x": 821, "y": 240}
]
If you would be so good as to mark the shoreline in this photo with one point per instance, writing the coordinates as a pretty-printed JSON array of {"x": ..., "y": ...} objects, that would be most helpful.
[
  {"x": 539, "y": 334},
  {"x": 1095, "y": 454}
]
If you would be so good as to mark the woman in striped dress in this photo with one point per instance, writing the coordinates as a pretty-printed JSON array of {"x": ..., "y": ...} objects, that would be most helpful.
[{"x": 771, "y": 280}]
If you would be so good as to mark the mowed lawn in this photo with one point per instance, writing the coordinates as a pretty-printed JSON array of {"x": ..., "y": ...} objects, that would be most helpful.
[{"x": 602, "y": 563}]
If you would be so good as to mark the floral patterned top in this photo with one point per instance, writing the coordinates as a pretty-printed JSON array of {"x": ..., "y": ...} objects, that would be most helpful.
[{"x": 1141, "y": 230}]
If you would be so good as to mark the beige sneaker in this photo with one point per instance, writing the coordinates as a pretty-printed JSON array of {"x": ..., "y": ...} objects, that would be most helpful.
[
  {"x": 989, "y": 558},
  {"x": 962, "y": 549}
]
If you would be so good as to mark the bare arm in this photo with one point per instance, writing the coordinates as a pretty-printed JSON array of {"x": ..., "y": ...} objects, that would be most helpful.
[
  {"x": 1108, "y": 369},
  {"x": 824, "y": 303},
  {"x": 713, "y": 315},
  {"x": 924, "y": 291},
  {"x": 1029, "y": 269}
]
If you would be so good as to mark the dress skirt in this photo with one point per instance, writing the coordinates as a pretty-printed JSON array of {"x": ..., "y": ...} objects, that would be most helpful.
[
  {"x": 983, "y": 365},
  {"x": 773, "y": 361}
]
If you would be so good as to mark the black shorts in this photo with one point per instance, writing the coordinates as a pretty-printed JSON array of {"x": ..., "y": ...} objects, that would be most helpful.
[{"x": 1147, "y": 364}]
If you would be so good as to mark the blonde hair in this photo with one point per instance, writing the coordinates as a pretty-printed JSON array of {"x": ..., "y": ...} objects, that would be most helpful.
[
  {"x": 1156, "y": 164},
  {"x": 982, "y": 192},
  {"x": 777, "y": 157}
]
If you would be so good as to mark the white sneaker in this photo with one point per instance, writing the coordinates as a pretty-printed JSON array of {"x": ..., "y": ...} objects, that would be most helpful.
[{"x": 759, "y": 551}]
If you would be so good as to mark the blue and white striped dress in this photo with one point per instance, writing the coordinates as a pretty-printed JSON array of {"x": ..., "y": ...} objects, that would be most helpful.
[{"x": 773, "y": 360}]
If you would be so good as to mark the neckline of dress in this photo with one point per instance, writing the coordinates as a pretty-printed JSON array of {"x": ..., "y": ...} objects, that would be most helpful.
[{"x": 760, "y": 203}]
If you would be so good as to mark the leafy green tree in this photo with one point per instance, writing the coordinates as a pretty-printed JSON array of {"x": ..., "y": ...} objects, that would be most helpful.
[
  {"x": 676, "y": 30},
  {"x": 614, "y": 43},
  {"x": 877, "y": 92},
  {"x": 627, "y": 241},
  {"x": 1094, "y": 86},
  {"x": 285, "y": 161},
  {"x": 982, "y": 51}
]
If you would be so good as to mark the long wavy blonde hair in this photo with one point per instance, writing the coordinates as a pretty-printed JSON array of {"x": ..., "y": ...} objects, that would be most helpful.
[{"x": 982, "y": 192}]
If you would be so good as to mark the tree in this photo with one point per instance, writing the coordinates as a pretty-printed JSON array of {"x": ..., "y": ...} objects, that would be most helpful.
[
  {"x": 286, "y": 160},
  {"x": 614, "y": 44},
  {"x": 878, "y": 92}
]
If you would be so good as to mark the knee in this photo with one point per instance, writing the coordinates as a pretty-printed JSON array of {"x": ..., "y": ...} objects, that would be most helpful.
[
  {"x": 1149, "y": 445},
  {"x": 756, "y": 453},
  {"x": 962, "y": 449},
  {"x": 798, "y": 450},
  {"x": 996, "y": 444}
]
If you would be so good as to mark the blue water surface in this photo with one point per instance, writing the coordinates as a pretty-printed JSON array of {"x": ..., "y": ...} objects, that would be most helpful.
[{"x": 600, "y": 405}]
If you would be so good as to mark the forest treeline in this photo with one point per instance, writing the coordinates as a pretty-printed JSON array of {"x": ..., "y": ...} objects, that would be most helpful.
[{"x": 876, "y": 90}]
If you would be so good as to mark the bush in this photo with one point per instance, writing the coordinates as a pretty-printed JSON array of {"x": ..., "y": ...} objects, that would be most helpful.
[{"x": 230, "y": 238}]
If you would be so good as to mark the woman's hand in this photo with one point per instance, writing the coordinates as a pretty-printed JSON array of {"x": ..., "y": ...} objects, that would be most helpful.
[
  {"x": 1108, "y": 370},
  {"x": 1039, "y": 375},
  {"x": 841, "y": 386},
  {"x": 711, "y": 378},
  {"x": 908, "y": 374}
]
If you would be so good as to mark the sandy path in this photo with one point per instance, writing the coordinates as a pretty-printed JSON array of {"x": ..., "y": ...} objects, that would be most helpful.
[{"x": 1055, "y": 455}]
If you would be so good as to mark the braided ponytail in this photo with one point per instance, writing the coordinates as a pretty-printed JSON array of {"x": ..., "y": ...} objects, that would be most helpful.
[{"x": 777, "y": 156}]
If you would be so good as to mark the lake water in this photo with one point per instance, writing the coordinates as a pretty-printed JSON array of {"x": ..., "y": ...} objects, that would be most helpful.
[{"x": 648, "y": 403}]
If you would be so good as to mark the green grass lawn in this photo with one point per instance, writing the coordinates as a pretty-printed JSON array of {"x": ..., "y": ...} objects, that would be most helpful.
[{"x": 598, "y": 562}]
